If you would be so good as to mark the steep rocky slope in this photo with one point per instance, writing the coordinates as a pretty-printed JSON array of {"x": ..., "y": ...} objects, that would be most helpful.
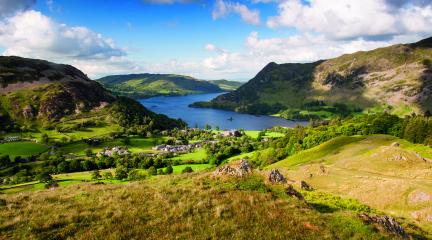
[{"x": 398, "y": 78}]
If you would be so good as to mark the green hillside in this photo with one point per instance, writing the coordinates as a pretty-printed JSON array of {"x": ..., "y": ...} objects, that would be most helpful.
[
  {"x": 396, "y": 78},
  {"x": 38, "y": 95},
  {"x": 227, "y": 85},
  {"x": 395, "y": 178},
  {"x": 149, "y": 85},
  {"x": 189, "y": 206}
]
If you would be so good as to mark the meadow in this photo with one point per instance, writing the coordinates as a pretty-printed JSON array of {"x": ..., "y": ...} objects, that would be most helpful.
[
  {"x": 184, "y": 206},
  {"x": 23, "y": 149}
]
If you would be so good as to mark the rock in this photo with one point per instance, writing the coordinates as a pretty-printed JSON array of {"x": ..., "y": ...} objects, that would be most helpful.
[
  {"x": 292, "y": 192},
  {"x": 276, "y": 177},
  {"x": 306, "y": 186},
  {"x": 419, "y": 197},
  {"x": 28, "y": 112},
  {"x": 395, "y": 144},
  {"x": 239, "y": 170},
  {"x": 387, "y": 222}
]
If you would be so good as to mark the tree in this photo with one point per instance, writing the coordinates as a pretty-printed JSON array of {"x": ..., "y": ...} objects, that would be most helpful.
[
  {"x": 88, "y": 152},
  {"x": 44, "y": 177},
  {"x": 63, "y": 167},
  {"x": 107, "y": 175},
  {"x": 207, "y": 127},
  {"x": 187, "y": 169},
  {"x": 152, "y": 171},
  {"x": 160, "y": 171},
  {"x": 4, "y": 161},
  {"x": 96, "y": 175},
  {"x": 169, "y": 169},
  {"x": 126, "y": 141},
  {"x": 45, "y": 138},
  {"x": 121, "y": 172}
]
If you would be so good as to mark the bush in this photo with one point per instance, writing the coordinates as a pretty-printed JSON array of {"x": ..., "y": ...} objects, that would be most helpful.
[
  {"x": 152, "y": 171},
  {"x": 169, "y": 170},
  {"x": 187, "y": 169},
  {"x": 121, "y": 172},
  {"x": 137, "y": 175}
]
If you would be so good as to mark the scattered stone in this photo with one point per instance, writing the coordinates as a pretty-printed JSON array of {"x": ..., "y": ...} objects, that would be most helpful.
[
  {"x": 322, "y": 168},
  {"x": 276, "y": 177},
  {"x": 399, "y": 158},
  {"x": 395, "y": 144},
  {"x": 239, "y": 170},
  {"x": 306, "y": 186},
  {"x": 387, "y": 222},
  {"x": 28, "y": 112},
  {"x": 292, "y": 192},
  {"x": 419, "y": 197}
]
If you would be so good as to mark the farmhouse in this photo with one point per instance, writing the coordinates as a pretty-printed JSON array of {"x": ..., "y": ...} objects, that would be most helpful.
[{"x": 118, "y": 150}]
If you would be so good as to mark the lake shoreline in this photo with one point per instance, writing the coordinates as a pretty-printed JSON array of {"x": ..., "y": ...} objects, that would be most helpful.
[{"x": 180, "y": 107}]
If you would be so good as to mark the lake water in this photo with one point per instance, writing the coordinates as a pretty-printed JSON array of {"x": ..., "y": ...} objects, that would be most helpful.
[{"x": 178, "y": 107}]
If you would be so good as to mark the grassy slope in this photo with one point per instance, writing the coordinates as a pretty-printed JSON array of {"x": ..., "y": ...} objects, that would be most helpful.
[
  {"x": 23, "y": 149},
  {"x": 366, "y": 168},
  {"x": 148, "y": 85},
  {"x": 197, "y": 155},
  {"x": 227, "y": 85},
  {"x": 183, "y": 207}
]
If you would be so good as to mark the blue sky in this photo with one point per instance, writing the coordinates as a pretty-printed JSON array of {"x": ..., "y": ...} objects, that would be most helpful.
[{"x": 206, "y": 39}]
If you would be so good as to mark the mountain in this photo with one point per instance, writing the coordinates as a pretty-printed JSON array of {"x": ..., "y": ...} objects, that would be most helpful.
[
  {"x": 149, "y": 85},
  {"x": 37, "y": 92},
  {"x": 396, "y": 79},
  {"x": 227, "y": 85}
]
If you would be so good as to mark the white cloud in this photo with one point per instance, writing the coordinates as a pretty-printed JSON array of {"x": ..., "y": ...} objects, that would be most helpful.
[
  {"x": 223, "y": 8},
  {"x": 349, "y": 19},
  {"x": 32, "y": 34},
  {"x": 10, "y": 7}
]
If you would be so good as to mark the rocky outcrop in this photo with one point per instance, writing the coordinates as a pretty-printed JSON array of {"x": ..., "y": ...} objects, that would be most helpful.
[
  {"x": 305, "y": 186},
  {"x": 276, "y": 177},
  {"x": 290, "y": 191},
  {"x": 238, "y": 169},
  {"x": 28, "y": 112},
  {"x": 386, "y": 222}
]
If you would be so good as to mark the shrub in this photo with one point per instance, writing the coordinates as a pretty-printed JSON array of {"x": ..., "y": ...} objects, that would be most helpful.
[
  {"x": 137, "y": 175},
  {"x": 169, "y": 170},
  {"x": 187, "y": 169},
  {"x": 121, "y": 172}
]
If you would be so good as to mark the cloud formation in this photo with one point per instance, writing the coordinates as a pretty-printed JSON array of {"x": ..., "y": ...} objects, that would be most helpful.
[
  {"x": 10, "y": 7},
  {"x": 32, "y": 34},
  {"x": 350, "y": 19},
  {"x": 224, "y": 8}
]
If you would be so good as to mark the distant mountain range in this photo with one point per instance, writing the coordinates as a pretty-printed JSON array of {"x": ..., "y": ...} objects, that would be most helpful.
[
  {"x": 149, "y": 85},
  {"x": 396, "y": 79},
  {"x": 36, "y": 93}
]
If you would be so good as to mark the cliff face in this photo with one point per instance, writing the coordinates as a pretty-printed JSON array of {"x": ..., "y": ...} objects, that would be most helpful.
[{"x": 398, "y": 77}]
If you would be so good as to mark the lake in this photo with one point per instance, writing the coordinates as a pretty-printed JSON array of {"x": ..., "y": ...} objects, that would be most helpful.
[{"x": 178, "y": 107}]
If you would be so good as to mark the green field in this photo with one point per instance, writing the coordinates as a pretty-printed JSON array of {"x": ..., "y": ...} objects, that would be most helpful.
[
  {"x": 137, "y": 144},
  {"x": 254, "y": 134},
  {"x": 195, "y": 167},
  {"x": 23, "y": 149},
  {"x": 369, "y": 169},
  {"x": 196, "y": 155}
]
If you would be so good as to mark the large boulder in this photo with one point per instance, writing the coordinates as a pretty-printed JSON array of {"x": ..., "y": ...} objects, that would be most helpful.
[
  {"x": 386, "y": 222},
  {"x": 276, "y": 177},
  {"x": 238, "y": 169}
]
